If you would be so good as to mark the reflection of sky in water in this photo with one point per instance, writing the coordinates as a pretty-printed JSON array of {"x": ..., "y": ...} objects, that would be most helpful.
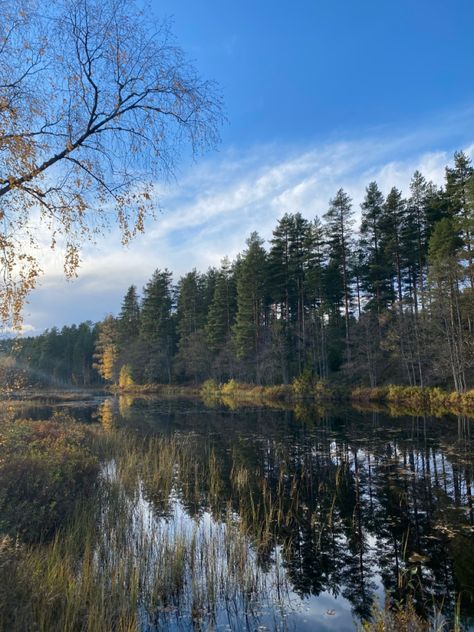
[
  {"x": 325, "y": 612},
  {"x": 290, "y": 612},
  {"x": 425, "y": 460}
]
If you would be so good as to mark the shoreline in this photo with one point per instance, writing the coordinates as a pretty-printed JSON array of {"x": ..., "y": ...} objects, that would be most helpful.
[{"x": 396, "y": 400}]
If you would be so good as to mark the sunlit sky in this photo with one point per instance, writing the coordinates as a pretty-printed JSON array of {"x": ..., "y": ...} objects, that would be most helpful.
[{"x": 318, "y": 95}]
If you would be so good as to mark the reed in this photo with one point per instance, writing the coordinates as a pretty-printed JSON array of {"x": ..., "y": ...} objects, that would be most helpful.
[
  {"x": 416, "y": 400},
  {"x": 129, "y": 556},
  {"x": 401, "y": 618}
]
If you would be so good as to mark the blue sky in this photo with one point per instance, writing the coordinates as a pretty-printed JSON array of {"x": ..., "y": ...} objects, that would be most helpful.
[
  {"x": 318, "y": 95},
  {"x": 293, "y": 71}
]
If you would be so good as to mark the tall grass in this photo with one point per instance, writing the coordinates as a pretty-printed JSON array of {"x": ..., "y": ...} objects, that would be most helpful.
[
  {"x": 45, "y": 467},
  {"x": 417, "y": 400},
  {"x": 233, "y": 393},
  {"x": 131, "y": 557}
]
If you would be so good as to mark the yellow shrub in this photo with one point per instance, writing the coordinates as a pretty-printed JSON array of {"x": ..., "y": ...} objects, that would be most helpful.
[{"x": 125, "y": 378}]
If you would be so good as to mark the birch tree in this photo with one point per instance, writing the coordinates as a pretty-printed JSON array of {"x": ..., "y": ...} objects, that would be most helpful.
[{"x": 97, "y": 102}]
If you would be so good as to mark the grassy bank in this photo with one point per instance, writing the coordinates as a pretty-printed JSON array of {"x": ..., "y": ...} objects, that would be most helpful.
[
  {"x": 400, "y": 400},
  {"x": 415, "y": 400},
  {"x": 299, "y": 389},
  {"x": 250, "y": 393},
  {"x": 167, "y": 390},
  {"x": 45, "y": 468}
]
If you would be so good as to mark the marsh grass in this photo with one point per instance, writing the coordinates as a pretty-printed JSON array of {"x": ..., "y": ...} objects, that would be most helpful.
[
  {"x": 130, "y": 557},
  {"x": 45, "y": 467},
  {"x": 174, "y": 536},
  {"x": 416, "y": 400},
  {"x": 396, "y": 619}
]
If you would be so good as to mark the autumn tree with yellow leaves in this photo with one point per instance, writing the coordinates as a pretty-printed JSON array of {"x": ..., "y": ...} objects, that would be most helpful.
[{"x": 96, "y": 103}]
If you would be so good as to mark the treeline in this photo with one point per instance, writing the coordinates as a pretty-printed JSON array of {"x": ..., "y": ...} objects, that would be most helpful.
[
  {"x": 55, "y": 358},
  {"x": 389, "y": 301}
]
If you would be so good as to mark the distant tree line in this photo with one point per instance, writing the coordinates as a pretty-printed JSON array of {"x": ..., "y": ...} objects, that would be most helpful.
[
  {"x": 55, "y": 358},
  {"x": 390, "y": 301}
]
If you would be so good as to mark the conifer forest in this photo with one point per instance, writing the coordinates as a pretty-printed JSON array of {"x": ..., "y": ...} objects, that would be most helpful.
[{"x": 387, "y": 298}]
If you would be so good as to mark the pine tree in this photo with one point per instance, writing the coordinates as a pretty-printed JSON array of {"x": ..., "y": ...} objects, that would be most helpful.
[
  {"x": 157, "y": 327},
  {"x": 446, "y": 276},
  {"x": 279, "y": 265},
  {"x": 391, "y": 224},
  {"x": 415, "y": 239},
  {"x": 394, "y": 230},
  {"x": 458, "y": 192},
  {"x": 251, "y": 293},
  {"x": 339, "y": 222},
  {"x": 315, "y": 296},
  {"x": 300, "y": 254},
  {"x": 373, "y": 269}
]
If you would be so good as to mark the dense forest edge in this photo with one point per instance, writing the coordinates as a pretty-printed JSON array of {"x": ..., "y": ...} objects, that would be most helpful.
[{"x": 382, "y": 311}]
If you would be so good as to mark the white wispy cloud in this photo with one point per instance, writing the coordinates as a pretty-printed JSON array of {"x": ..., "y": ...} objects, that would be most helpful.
[{"x": 217, "y": 203}]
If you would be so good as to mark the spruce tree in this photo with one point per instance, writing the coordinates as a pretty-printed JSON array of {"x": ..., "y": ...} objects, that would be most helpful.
[
  {"x": 251, "y": 293},
  {"x": 191, "y": 308},
  {"x": 339, "y": 222},
  {"x": 221, "y": 315},
  {"x": 289, "y": 262},
  {"x": 157, "y": 327},
  {"x": 128, "y": 324}
]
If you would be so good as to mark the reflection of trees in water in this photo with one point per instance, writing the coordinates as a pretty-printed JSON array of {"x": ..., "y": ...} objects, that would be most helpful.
[{"x": 347, "y": 497}]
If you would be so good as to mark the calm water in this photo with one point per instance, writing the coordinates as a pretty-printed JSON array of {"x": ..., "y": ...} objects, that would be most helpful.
[{"x": 361, "y": 504}]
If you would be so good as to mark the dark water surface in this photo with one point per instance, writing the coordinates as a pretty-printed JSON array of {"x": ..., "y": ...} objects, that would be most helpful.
[{"x": 361, "y": 504}]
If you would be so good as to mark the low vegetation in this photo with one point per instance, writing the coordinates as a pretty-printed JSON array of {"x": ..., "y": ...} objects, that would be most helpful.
[
  {"x": 398, "y": 618},
  {"x": 119, "y": 560},
  {"x": 45, "y": 468},
  {"x": 417, "y": 400}
]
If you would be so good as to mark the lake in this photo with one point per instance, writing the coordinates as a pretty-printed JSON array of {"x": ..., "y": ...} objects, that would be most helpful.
[{"x": 291, "y": 519}]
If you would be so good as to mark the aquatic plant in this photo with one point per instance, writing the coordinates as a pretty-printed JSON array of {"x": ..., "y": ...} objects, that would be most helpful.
[{"x": 126, "y": 558}]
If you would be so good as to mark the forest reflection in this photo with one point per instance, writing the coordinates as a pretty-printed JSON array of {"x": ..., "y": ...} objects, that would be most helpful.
[{"x": 352, "y": 500}]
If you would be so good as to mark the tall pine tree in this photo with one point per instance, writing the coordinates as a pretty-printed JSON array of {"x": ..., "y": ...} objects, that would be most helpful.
[{"x": 251, "y": 295}]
